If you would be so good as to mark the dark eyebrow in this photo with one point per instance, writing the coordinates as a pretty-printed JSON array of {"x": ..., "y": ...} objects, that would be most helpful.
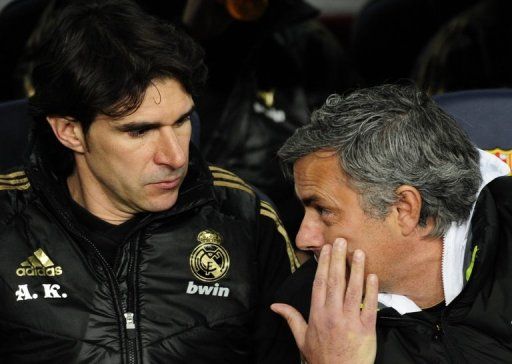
[{"x": 138, "y": 125}]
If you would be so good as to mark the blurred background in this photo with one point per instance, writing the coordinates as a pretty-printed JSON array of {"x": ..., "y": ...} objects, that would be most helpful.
[{"x": 272, "y": 62}]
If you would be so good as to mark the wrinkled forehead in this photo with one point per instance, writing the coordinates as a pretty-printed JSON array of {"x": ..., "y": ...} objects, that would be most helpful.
[
  {"x": 318, "y": 160},
  {"x": 317, "y": 168},
  {"x": 319, "y": 171}
]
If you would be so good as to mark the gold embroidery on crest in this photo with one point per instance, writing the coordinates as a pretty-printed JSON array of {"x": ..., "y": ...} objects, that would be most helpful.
[
  {"x": 209, "y": 236},
  {"x": 209, "y": 261}
]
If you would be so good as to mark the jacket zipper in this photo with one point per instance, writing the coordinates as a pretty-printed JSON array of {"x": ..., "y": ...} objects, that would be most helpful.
[
  {"x": 129, "y": 314},
  {"x": 131, "y": 337},
  {"x": 112, "y": 282},
  {"x": 130, "y": 324},
  {"x": 128, "y": 337}
]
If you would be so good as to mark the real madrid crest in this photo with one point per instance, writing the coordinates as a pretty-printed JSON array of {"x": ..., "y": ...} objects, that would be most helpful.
[{"x": 209, "y": 261}]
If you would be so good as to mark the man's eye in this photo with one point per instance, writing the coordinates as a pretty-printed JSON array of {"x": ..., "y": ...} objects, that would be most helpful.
[
  {"x": 323, "y": 211},
  {"x": 182, "y": 121},
  {"x": 138, "y": 133}
]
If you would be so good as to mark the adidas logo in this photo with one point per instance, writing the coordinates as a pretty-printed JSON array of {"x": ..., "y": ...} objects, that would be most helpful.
[
  {"x": 38, "y": 264},
  {"x": 214, "y": 290}
]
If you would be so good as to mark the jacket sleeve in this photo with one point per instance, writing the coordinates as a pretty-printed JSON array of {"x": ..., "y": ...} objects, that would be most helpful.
[{"x": 273, "y": 341}]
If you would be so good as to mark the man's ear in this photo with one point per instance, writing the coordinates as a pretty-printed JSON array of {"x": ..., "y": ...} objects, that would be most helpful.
[
  {"x": 408, "y": 208},
  {"x": 69, "y": 132}
]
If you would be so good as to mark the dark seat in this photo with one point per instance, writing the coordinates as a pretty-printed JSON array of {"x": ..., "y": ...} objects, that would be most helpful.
[
  {"x": 486, "y": 115},
  {"x": 14, "y": 128},
  {"x": 15, "y": 123}
]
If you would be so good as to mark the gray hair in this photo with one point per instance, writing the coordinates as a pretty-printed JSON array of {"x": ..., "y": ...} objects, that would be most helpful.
[{"x": 388, "y": 136}]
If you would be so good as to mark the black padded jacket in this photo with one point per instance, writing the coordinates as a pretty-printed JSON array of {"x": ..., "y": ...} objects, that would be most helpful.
[{"x": 189, "y": 285}]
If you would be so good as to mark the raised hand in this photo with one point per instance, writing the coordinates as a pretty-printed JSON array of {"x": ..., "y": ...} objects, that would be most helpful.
[{"x": 339, "y": 331}]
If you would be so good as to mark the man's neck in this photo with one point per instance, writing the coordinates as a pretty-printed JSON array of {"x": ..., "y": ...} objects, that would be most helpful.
[
  {"x": 420, "y": 278},
  {"x": 92, "y": 199}
]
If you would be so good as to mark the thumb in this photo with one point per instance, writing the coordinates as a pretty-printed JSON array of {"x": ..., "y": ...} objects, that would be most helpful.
[{"x": 294, "y": 320}]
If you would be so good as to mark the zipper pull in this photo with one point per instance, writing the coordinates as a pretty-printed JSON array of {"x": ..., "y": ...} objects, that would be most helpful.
[
  {"x": 438, "y": 332},
  {"x": 130, "y": 325}
]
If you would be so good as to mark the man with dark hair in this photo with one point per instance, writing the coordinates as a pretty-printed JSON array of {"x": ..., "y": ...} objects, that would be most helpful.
[
  {"x": 119, "y": 243},
  {"x": 394, "y": 191}
]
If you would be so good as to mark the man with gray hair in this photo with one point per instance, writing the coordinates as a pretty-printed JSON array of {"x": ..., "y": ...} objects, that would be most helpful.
[{"x": 411, "y": 226}]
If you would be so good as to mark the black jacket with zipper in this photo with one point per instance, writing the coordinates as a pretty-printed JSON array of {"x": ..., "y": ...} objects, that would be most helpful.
[
  {"x": 61, "y": 302},
  {"x": 476, "y": 327}
]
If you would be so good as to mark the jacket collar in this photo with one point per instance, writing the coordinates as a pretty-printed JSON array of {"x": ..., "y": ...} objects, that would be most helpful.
[{"x": 482, "y": 246}]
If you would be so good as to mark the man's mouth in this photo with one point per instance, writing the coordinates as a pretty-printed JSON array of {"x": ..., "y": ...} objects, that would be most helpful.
[{"x": 167, "y": 184}]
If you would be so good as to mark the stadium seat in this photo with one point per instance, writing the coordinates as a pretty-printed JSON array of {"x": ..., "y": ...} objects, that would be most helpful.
[
  {"x": 14, "y": 128},
  {"x": 486, "y": 115}
]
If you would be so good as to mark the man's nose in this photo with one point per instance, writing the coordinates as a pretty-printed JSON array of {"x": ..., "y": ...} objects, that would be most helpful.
[
  {"x": 311, "y": 235},
  {"x": 171, "y": 150}
]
